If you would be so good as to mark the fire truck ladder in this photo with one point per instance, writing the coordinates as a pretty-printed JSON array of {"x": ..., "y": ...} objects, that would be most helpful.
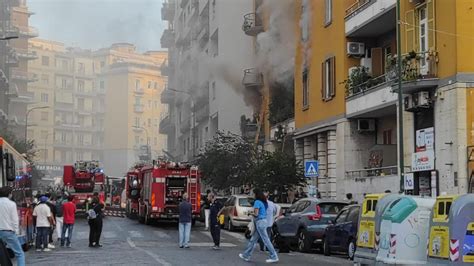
[{"x": 193, "y": 187}]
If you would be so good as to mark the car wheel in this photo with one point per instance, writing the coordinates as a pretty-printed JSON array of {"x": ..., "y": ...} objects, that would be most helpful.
[
  {"x": 351, "y": 248},
  {"x": 304, "y": 243},
  {"x": 326, "y": 249}
]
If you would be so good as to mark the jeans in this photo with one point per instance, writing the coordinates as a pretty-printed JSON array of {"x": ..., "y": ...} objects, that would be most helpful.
[
  {"x": 42, "y": 234},
  {"x": 59, "y": 226},
  {"x": 184, "y": 234},
  {"x": 270, "y": 236},
  {"x": 261, "y": 232},
  {"x": 216, "y": 234},
  {"x": 13, "y": 243},
  {"x": 66, "y": 234}
]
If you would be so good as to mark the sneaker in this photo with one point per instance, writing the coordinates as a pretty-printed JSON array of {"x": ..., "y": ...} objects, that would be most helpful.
[
  {"x": 98, "y": 245},
  {"x": 47, "y": 250},
  {"x": 186, "y": 246},
  {"x": 216, "y": 248},
  {"x": 68, "y": 246},
  {"x": 272, "y": 260},
  {"x": 38, "y": 250},
  {"x": 181, "y": 246},
  {"x": 51, "y": 246},
  {"x": 243, "y": 257}
]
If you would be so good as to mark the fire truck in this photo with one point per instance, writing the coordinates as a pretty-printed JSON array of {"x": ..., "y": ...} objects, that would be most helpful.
[
  {"x": 155, "y": 191},
  {"x": 82, "y": 180},
  {"x": 15, "y": 172}
]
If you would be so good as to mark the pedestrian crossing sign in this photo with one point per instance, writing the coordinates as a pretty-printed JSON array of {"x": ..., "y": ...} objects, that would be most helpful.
[{"x": 311, "y": 168}]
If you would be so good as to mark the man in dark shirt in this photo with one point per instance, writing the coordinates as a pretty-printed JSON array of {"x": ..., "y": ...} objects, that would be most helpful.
[
  {"x": 185, "y": 219},
  {"x": 215, "y": 208}
]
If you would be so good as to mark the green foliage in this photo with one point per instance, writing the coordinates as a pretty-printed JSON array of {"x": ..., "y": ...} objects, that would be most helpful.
[{"x": 20, "y": 145}]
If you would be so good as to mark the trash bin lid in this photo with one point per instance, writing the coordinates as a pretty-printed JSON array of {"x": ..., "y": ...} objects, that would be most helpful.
[{"x": 400, "y": 209}]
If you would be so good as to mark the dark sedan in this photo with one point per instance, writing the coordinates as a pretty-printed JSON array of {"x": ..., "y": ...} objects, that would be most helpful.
[
  {"x": 304, "y": 223},
  {"x": 341, "y": 235}
]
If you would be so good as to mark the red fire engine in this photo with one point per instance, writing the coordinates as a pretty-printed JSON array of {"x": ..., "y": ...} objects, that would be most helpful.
[
  {"x": 83, "y": 180},
  {"x": 154, "y": 192}
]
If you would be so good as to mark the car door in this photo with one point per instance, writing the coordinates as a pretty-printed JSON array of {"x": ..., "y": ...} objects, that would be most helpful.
[
  {"x": 340, "y": 222},
  {"x": 352, "y": 223},
  {"x": 285, "y": 224},
  {"x": 299, "y": 218}
]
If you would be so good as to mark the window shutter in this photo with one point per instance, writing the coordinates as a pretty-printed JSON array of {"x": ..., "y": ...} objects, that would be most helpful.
[
  {"x": 323, "y": 80},
  {"x": 410, "y": 34},
  {"x": 377, "y": 62},
  {"x": 430, "y": 12},
  {"x": 332, "y": 67}
]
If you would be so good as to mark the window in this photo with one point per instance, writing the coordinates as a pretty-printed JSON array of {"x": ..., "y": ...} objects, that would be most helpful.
[
  {"x": 80, "y": 139},
  {"x": 44, "y": 97},
  {"x": 44, "y": 116},
  {"x": 213, "y": 88},
  {"x": 156, "y": 85},
  {"x": 305, "y": 20},
  {"x": 155, "y": 104},
  {"x": 149, "y": 122},
  {"x": 342, "y": 216},
  {"x": 138, "y": 101},
  {"x": 149, "y": 84},
  {"x": 353, "y": 216},
  {"x": 81, "y": 68},
  {"x": 80, "y": 85},
  {"x": 149, "y": 104},
  {"x": 80, "y": 103},
  {"x": 102, "y": 84},
  {"x": 44, "y": 154},
  {"x": 184, "y": 146},
  {"x": 155, "y": 141},
  {"x": 156, "y": 122},
  {"x": 64, "y": 84},
  {"x": 102, "y": 64},
  {"x": 387, "y": 137},
  {"x": 44, "y": 134},
  {"x": 45, "y": 79},
  {"x": 137, "y": 140},
  {"x": 45, "y": 60},
  {"x": 328, "y": 12},
  {"x": 328, "y": 89},
  {"x": 305, "y": 89},
  {"x": 137, "y": 84},
  {"x": 423, "y": 37},
  {"x": 64, "y": 64},
  {"x": 137, "y": 121}
]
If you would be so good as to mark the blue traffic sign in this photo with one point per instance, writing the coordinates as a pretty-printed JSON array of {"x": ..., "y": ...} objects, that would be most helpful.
[{"x": 311, "y": 168}]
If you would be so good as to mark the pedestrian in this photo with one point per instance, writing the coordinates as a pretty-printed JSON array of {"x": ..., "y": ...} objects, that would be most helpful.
[
  {"x": 215, "y": 208},
  {"x": 271, "y": 213},
  {"x": 260, "y": 216},
  {"x": 291, "y": 196},
  {"x": 59, "y": 215},
  {"x": 69, "y": 211},
  {"x": 52, "y": 207},
  {"x": 207, "y": 210},
  {"x": 185, "y": 219},
  {"x": 9, "y": 225},
  {"x": 302, "y": 194},
  {"x": 350, "y": 198},
  {"x": 94, "y": 216},
  {"x": 43, "y": 219}
]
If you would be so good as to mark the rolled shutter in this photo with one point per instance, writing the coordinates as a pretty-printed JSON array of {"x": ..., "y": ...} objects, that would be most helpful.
[
  {"x": 430, "y": 12},
  {"x": 410, "y": 33}
]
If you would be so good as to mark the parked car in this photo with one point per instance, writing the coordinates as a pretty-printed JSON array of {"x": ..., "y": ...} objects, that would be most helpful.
[
  {"x": 236, "y": 211},
  {"x": 304, "y": 223},
  {"x": 341, "y": 234},
  {"x": 202, "y": 216}
]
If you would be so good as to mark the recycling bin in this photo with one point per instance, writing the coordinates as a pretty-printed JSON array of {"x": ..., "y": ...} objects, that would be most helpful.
[
  {"x": 451, "y": 239},
  {"x": 404, "y": 231},
  {"x": 370, "y": 217}
]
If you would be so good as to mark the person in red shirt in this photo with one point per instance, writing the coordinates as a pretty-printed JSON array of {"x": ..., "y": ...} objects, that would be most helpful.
[{"x": 69, "y": 212}]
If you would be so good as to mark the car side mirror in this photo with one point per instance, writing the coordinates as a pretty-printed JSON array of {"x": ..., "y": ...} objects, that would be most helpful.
[
  {"x": 332, "y": 222},
  {"x": 10, "y": 167}
]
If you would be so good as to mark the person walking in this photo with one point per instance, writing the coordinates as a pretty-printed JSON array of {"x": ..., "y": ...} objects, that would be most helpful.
[
  {"x": 9, "y": 225},
  {"x": 207, "y": 210},
  {"x": 69, "y": 211},
  {"x": 271, "y": 213},
  {"x": 59, "y": 215},
  {"x": 52, "y": 206},
  {"x": 260, "y": 217},
  {"x": 185, "y": 219},
  {"x": 95, "y": 223},
  {"x": 214, "y": 208},
  {"x": 44, "y": 221}
]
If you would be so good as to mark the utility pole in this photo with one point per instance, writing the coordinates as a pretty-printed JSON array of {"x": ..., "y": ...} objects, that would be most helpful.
[{"x": 401, "y": 164}]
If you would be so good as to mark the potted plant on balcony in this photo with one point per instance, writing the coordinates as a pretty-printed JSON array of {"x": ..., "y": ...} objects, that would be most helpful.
[{"x": 357, "y": 81}]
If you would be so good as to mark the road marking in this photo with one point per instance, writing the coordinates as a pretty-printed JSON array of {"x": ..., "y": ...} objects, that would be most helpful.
[
  {"x": 161, "y": 234},
  {"x": 81, "y": 235},
  {"x": 149, "y": 253},
  {"x": 135, "y": 234},
  {"x": 239, "y": 236},
  {"x": 110, "y": 235},
  {"x": 209, "y": 244},
  {"x": 131, "y": 243}
]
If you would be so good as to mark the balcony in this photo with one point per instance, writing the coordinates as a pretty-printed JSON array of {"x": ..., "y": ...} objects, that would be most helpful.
[
  {"x": 185, "y": 125},
  {"x": 252, "y": 25},
  {"x": 24, "y": 97},
  {"x": 164, "y": 68},
  {"x": 12, "y": 60},
  {"x": 85, "y": 93},
  {"x": 139, "y": 91},
  {"x": 166, "y": 125},
  {"x": 167, "y": 11},
  {"x": 167, "y": 96},
  {"x": 167, "y": 39},
  {"x": 28, "y": 31},
  {"x": 23, "y": 76},
  {"x": 202, "y": 114},
  {"x": 138, "y": 108},
  {"x": 24, "y": 53},
  {"x": 368, "y": 18},
  {"x": 203, "y": 35},
  {"x": 252, "y": 78}
]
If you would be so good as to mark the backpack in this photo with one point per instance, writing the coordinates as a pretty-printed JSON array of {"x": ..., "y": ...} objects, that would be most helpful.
[
  {"x": 91, "y": 214},
  {"x": 59, "y": 208}
]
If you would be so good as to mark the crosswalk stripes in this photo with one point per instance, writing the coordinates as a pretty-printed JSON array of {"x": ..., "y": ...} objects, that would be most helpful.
[{"x": 115, "y": 213}]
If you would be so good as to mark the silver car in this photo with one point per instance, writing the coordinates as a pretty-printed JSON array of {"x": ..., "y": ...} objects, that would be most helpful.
[{"x": 236, "y": 211}]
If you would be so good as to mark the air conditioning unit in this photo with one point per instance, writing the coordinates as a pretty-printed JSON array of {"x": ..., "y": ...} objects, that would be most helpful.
[
  {"x": 366, "y": 125},
  {"x": 408, "y": 102},
  {"x": 421, "y": 99},
  {"x": 367, "y": 63},
  {"x": 355, "y": 49}
]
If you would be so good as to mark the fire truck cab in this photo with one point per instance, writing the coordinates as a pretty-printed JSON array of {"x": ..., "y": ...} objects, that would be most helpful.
[{"x": 162, "y": 191}]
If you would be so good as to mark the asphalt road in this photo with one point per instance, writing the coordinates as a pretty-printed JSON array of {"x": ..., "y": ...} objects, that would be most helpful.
[{"x": 126, "y": 242}]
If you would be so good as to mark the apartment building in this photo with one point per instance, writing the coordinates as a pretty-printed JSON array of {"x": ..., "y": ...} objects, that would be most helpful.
[
  {"x": 346, "y": 96},
  {"x": 67, "y": 114},
  {"x": 207, "y": 54},
  {"x": 14, "y": 62},
  {"x": 133, "y": 84}
]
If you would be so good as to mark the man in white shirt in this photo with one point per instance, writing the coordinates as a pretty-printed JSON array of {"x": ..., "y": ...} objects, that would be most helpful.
[
  {"x": 9, "y": 225},
  {"x": 44, "y": 221}
]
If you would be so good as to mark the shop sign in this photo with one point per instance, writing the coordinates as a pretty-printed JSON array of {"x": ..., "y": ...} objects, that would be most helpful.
[
  {"x": 425, "y": 139},
  {"x": 423, "y": 161},
  {"x": 49, "y": 168}
]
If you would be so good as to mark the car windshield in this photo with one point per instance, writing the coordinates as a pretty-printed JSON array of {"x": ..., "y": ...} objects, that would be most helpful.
[
  {"x": 331, "y": 208},
  {"x": 246, "y": 202}
]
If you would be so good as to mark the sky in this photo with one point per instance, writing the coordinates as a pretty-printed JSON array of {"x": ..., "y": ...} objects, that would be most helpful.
[{"x": 94, "y": 24}]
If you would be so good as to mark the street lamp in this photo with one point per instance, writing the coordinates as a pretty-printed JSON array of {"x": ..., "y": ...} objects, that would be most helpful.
[
  {"x": 26, "y": 119},
  {"x": 193, "y": 117}
]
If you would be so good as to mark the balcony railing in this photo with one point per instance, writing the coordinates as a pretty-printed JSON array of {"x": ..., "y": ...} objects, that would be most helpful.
[
  {"x": 167, "y": 96},
  {"x": 252, "y": 78},
  {"x": 167, "y": 39},
  {"x": 202, "y": 113},
  {"x": 372, "y": 172},
  {"x": 252, "y": 25},
  {"x": 139, "y": 91},
  {"x": 24, "y": 76},
  {"x": 24, "y": 53},
  {"x": 28, "y": 31},
  {"x": 165, "y": 124},
  {"x": 167, "y": 11},
  {"x": 358, "y": 4}
]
